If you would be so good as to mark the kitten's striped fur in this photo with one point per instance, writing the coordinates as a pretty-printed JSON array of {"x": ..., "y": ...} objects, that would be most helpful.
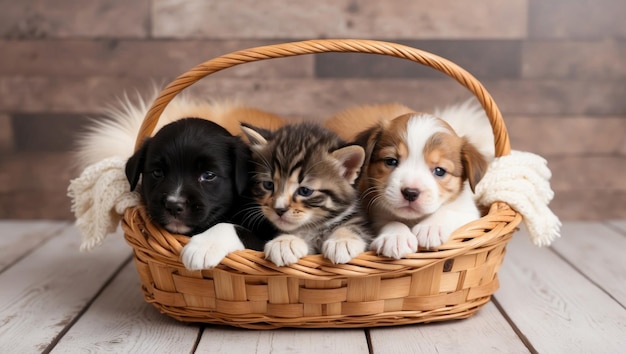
[{"x": 304, "y": 182}]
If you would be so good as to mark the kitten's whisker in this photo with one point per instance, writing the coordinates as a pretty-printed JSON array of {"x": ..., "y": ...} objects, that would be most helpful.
[
  {"x": 368, "y": 191},
  {"x": 376, "y": 200}
]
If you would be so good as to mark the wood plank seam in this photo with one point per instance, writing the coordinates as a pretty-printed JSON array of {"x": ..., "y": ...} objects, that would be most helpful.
[
  {"x": 515, "y": 328},
  {"x": 53, "y": 234},
  {"x": 88, "y": 304}
]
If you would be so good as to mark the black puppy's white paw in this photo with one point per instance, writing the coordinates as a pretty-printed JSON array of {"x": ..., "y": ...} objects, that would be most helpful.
[{"x": 207, "y": 249}]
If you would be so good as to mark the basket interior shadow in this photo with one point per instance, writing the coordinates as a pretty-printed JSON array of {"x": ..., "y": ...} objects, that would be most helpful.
[{"x": 246, "y": 290}]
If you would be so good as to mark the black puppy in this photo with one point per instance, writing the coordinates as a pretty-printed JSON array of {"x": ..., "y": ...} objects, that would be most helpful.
[{"x": 194, "y": 181}]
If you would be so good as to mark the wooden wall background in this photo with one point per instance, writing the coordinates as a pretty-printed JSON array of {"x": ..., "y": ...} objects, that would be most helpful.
[{"x": 556, "y": 68}]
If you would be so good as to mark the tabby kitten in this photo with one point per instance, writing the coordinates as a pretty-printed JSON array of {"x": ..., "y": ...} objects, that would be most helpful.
[{"x": 304, "y": 183}]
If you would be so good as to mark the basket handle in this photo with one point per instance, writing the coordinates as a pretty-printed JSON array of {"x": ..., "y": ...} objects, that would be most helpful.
[{"x": 501, "y": 137}]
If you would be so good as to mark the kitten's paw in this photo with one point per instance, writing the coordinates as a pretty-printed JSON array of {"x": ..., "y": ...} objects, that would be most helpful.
[
  {"x": 342, "y": 246},
  {"x": 395, "y": 240},
  {"x": 207, "y": 249},
  {"x": 286, "y": 249},
  {"x": 431, "y": 236}
]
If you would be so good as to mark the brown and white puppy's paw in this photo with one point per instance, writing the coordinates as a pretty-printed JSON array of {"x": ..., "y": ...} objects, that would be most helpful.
[
  {"x": 207, "y": 249},
  {"x": 285, "y": 250},
  {"x": 395, "y": 240},
  {"x": 431, "y": 236},
  {"x": 343, "y": 245},
  {"x": 436, "y": 229}
]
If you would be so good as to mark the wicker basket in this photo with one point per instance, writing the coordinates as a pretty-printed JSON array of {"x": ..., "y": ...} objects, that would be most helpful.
[{"x": 246, "y": 290}]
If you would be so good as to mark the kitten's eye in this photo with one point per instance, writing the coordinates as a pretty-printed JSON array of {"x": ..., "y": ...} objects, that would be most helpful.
[
  {"x": 439, "y": 172},
  {"x": 391, "y": 162},
  {"x": 207, "y": 176},
  {"x": 269, "y": 185},
  {"x": 304, "y": 191},
  {"x": 157, "y": 173}
]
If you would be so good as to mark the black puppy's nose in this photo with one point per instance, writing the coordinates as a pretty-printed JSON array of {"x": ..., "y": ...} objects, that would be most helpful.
[
  {"x": 410, "y": 194},
  {"x": 281, "y": 211},
  {"x": 175, "y": 207}
]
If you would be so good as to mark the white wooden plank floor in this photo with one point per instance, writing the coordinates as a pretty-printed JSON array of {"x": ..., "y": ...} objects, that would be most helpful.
[{"x": 570, "y": 298}]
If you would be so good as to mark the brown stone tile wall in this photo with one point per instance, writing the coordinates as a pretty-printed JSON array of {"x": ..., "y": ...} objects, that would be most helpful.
[{"x": 556, "y": 69}]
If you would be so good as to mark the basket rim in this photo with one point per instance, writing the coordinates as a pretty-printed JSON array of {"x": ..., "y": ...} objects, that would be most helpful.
[
  {"x": 489, "y": 231},
  {"x": 289, "y": 49}
]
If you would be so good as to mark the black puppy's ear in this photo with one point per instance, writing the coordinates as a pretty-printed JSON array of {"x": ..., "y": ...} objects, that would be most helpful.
[
  {"x": 241, "y": 168},
  {"x": 135, "y": 164}
]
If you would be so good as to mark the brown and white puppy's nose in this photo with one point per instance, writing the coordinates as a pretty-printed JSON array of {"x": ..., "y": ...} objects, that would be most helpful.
[{"x": 410, "y": 194}]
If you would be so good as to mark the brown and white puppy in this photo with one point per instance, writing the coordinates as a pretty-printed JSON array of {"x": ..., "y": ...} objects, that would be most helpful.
[{"x": 417, "y": 180}]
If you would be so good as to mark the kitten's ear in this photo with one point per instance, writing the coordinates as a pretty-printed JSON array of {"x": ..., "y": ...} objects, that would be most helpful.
[
  {"x": 351, "y": 158},
  {"x": 255, "y": 135},
  {"x": 135, "y": 164}
]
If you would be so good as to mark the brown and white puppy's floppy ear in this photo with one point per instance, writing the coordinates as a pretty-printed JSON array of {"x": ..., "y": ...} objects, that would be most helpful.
[
  {"x": 367, "y": 140},
  {"x": 474, "y": 163},
  {"x": 351, "y": 159}
]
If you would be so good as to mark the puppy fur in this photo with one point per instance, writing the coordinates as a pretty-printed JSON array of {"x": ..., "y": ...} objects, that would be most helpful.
[
  {"x": 350, "y": 122},
  {"x": 418, "y": 177},
  {"x": 114, "y": 133},
  {"x": 192, "y": 174}
]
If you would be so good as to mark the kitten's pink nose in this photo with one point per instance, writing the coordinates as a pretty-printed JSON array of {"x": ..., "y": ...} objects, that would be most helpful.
[{"x": 280, "y": 211}]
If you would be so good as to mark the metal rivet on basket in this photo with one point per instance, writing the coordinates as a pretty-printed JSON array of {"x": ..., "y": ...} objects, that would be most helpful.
[{"x": 447, "y": 266}]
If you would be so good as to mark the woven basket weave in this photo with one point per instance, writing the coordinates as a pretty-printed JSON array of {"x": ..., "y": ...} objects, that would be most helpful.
[{"x": 246, "y": 290}]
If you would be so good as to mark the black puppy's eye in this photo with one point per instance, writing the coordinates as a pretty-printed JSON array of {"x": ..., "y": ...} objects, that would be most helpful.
[
  {"x": 439, "y": 172},
  {"x": 305, "y": 191},
  {"x": 207, "y": 176},
  {"x": 391, "y": 162},
  {"x": 157, "y": 173},
  {"x": 269, "y": 185}
]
